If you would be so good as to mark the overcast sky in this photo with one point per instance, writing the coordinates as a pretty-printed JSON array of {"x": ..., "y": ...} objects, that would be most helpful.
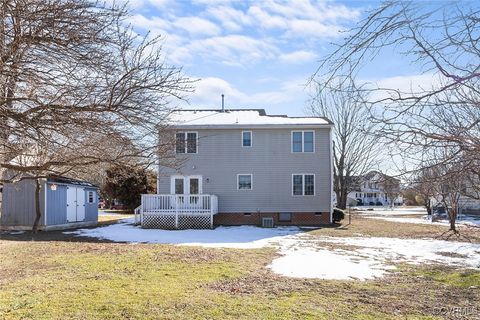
[{"x": 258, "y": 53}]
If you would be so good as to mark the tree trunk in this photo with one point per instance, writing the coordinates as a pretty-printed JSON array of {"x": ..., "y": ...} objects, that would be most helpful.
[
  {"x": 38, "y": 212},
  {"x": 452, "y": 217},
  {"x": 342, "y": 200}
]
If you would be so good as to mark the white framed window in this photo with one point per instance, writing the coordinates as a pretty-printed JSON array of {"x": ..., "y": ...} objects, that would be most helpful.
[
  {"x": 91, "y": 197},
  {"x": 303, "y": 141},
  {"x": 244, "y": 181},
  {"x": 186, "y": 142},
  {"x": 303, "y": 184},
  {"x": 247, "y": 138}
]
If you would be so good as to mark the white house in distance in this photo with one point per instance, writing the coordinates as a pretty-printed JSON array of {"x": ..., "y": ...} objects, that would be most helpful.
[
  {"x": 375, "y": 189},
  {"x": 243, "y": 167}
]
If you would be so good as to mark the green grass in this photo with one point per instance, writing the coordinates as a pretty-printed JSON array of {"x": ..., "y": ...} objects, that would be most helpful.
[
  {"x": 78, "y": 280},
  {"x": 65, "y": 279},
  {"x": 454, "y": 278}
]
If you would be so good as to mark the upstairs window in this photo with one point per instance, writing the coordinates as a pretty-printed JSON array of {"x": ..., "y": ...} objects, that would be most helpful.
[
  {"x": 303, "y": 141},
  {"x": 246, "y": 138},
  {"x": 303, "y": 184},
  {"x": 186, "y": 142},
  {"x": 244, "y": 182}
]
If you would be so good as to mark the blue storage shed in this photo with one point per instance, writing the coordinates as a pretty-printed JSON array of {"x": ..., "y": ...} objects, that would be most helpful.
[{"x": 64, "y": 202}]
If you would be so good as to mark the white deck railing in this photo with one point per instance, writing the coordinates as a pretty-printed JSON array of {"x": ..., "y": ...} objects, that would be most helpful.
[{"x": 185, "y": 205}]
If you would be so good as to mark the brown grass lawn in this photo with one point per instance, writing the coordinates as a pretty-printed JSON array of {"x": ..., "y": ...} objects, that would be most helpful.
[
  {"x": 361, "y": 226},
  {"x": 60, "y": 277}
]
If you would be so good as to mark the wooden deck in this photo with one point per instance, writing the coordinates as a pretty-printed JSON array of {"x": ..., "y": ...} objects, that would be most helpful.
[{"x": 177, "y": 211}]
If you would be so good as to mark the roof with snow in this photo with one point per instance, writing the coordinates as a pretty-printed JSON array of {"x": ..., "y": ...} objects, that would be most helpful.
[{"x": 240, "y": 118}]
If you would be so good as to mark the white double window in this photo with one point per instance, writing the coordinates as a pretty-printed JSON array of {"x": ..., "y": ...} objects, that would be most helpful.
[
  {"x": 303, "y": 184},
  {"x": 186, "y": 142},
  {"x": 303, "y": 141}
]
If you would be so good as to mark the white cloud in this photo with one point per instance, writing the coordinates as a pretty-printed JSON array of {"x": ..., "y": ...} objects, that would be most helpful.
[
  {"x": 312, "y": 28},
  {"x": 197, "y": 26},
  {"x": 242, "y": 35},
  {"x": 208, "y": 94},
  {"x": 409, "y": 84},
  {"x": 302, "y": 18},
  {"x": 235, "y": 50},
  {"x": 298, "y": 57},
  {"x": 138, "y": 4},
  {"x": 230, "y": 18},
  {"x": 153, "y": 24}
]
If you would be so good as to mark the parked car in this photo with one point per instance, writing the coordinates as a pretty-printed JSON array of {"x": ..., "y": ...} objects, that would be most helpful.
[{"x": 378, "y": 203}]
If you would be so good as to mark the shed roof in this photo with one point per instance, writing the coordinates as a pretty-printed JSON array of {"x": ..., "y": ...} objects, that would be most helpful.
[
  {"x": 65, "y": 180},
  {"x": 239, "y": 117}
]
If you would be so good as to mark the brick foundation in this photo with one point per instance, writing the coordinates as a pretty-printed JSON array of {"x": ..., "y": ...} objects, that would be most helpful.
[{"x": 255, "y": 218}]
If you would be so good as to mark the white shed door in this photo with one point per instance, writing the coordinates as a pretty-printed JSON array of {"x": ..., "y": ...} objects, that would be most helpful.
[
  {"x": 71, "y": 204},
  {"x": 80, "y": 204}
]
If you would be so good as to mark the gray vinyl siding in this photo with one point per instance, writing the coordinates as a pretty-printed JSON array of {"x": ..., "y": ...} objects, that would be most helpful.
[
  {"x": 57, "y": 206},
  {"x": 221, "y": 157},
  {"x": 91, "y": 209},
  {"x": 18, "y": 205}
]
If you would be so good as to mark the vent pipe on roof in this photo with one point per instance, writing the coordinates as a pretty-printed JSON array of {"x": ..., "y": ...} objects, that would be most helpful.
[{"x": 223, "y": 102}]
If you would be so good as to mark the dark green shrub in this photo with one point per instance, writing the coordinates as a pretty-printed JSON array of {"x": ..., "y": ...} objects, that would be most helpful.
[{"x": 338, "y": 215}]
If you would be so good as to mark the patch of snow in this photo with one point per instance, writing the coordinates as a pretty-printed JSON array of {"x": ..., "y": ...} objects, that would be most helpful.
[
  {"x": 414, "y": 251},
  {"x": 475, "y": 221},
  {"x": 243, "y": 237},
  {"x": 396, "y": 211},
  {"x": 304, "y": 255},
  {"x": 326, "y": 264}
]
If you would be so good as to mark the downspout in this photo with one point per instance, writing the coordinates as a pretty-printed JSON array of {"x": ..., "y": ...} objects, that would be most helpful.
[{"x": 331, "y": 174}]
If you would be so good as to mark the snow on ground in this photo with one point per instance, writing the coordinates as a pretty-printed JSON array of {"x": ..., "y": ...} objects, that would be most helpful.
[
  {"x": 412, "y": 215},
  {"x": 243, "y": 237},
  {"x": 396, "y": 211},
  {"x": 303, "y": 255}
]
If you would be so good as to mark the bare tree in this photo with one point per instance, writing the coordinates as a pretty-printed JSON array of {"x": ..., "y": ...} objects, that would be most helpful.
[
  {"x": 78, "y": 87},
  {"x": 391, "y": 188},
  {"x": 355, "y": 149},
  {"x": 431, "y": 124},
  {"x": 423, "y": 183},
  {"x": 450, "y": 188}
]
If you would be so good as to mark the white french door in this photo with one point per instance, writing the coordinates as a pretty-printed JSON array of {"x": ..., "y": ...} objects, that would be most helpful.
[
  {"x": 190, "y": 186},
  {"x": 186, "y": 185}
]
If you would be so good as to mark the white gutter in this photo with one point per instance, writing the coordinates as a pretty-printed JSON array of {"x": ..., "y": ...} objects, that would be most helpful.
[{"x": 251, "y": 126}]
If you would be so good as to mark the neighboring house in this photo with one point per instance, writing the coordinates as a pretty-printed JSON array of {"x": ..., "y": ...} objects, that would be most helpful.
[
  {"x": 243, "y": 167},
  {"x": 375, "y": 189},
  {"x": 64, "y": 203},
  {"x": 467, "y": 199}
]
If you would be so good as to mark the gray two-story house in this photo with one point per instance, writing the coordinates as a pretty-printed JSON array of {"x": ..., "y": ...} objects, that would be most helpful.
[{"x": 238, "y": 167}]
